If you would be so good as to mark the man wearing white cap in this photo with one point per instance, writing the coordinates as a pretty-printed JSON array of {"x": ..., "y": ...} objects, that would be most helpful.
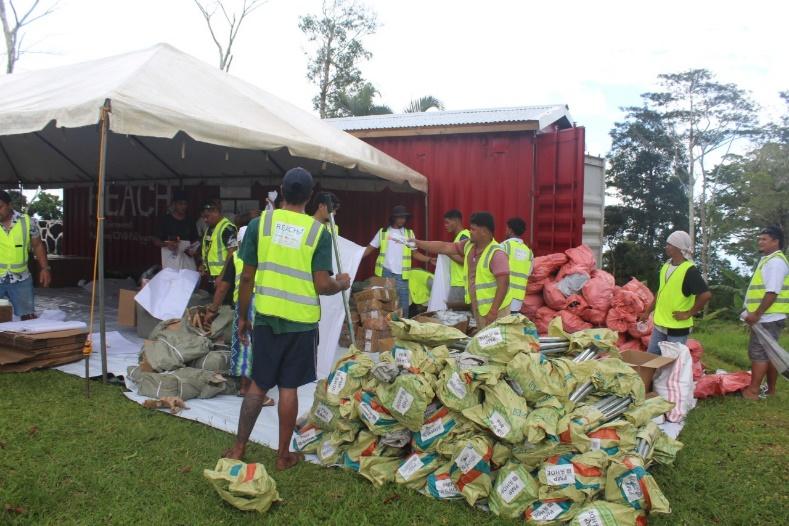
[{"x": 681, "y": 295}]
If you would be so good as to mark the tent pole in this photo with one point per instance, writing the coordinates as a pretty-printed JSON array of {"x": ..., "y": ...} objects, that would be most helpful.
[{"x": 104, "y": 124}]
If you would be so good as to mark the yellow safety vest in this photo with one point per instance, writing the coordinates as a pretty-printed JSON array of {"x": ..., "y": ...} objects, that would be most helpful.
[
  {"x": 520, "y": 257},
  {"x": 214, "y": 251},
  {"x": 419, "y": 286},
  {"x": 670, "y": 298},
  {"x": 456, "y": 276},
  {"x": 485, "y": 281},
  {"x": 283, "y": 282},
  {"x": 15, "y": 246},
  {"x": 756, "y": 290},
  {"x": 384, "y": 242},
  {"x": 238, "y": 263}
]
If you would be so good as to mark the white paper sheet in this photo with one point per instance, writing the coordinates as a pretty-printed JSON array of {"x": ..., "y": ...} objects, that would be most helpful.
[
  {"x": 121, "y": 353},
  {"x": 332, "y": 308},
  {"x": 168, "y": 293},
  {"x": 178, "y": 259},
  {"x": 440, "y": 291},
  {"x": 41, "y": 325}
]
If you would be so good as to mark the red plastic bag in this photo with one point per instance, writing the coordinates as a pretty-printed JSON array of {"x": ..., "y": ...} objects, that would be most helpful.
[
  {"x": 595, "y": 317},
  {"x": 637, "y": 332},
  {"x": 600, "y": 273},
  {"x": 619, "y": 319},
  {"x": 572, "y": 323},
  {"x": 696, "y": 352},
  {"x": 642, "y": 290},
  {"x": 581, "y": 261},
  {"x": 544, "y": 317},
  {"x": 553, "y": 296},
  {"x": 546, "y": 266},
  {"x": 531, "y": 303},
  {"x": 534, "y": 286},
  {"x": 576, "y": 304},
  {"x": 721, "y": 384},
  {"x": 632, "y": 345},
  {"x": 599, "y": 292},
  {"x": 645, "y": 341},
  {"x": 627, "y": 301}
]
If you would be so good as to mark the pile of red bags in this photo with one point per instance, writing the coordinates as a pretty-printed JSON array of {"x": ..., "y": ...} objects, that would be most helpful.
[{"x": 597, "y": 303}]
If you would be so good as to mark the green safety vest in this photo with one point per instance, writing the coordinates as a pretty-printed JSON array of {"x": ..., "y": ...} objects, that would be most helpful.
[
  {"x": 283, "y": 282},
  {"x": 214, "y": 251},
  {"x": 670, "y": 298},
  {"x": 756, "y": 290},
  {"x": 419, "y": 286},
  {"x": 456, "y": 276},
  {"x": 15, "y": 246},
  {"x": 521, "y": 258},
  {"x": 485, "y": 281},
  {"x": 384, "y": 242},
  {"x": 238, "y": 263}
]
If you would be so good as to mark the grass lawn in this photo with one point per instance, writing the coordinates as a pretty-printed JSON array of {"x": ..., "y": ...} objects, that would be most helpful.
[{"x": 65, "y": 459}]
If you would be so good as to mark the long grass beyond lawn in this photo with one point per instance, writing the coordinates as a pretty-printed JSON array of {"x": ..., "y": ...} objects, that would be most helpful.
[{"x": 65, "y": 459}]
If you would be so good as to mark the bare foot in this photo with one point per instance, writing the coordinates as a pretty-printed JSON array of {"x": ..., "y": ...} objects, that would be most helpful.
[
  {"x": 771, "y": 392},
  {"x": 749, "y": 395},
  {"x": 236, "y": 452},
  {"x": 288, "y": 461}
]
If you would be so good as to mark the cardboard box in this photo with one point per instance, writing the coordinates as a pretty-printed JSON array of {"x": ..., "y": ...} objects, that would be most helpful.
[
  {"x": 127, "y": 311},
  {"x": 645, "y": 364},
  {"x": 371, "y": 340},
  {"x": 388, "y": 283},
  {"x": 375, "y": 304},
  {"x": 375, "y": 293},
  {"x": 375, "y": 319}
]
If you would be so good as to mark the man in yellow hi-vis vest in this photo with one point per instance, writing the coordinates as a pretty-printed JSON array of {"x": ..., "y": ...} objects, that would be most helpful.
[
  {"x": 394, "y": 256},
  {"x": 453, "y": 222},
  {"x": 766, "y": 303},
  {"x": 486, "y": 266},
  {"x": 521, "y": 257},
  {"x": 682, "y": 294},
  {"x": 18, "y": 236},
  {"x": 217, "y": 242},
  {"x": 288, "y": 261}
]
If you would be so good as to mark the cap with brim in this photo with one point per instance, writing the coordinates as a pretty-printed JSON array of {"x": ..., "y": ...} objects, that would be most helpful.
[
  {"x": 400, "y": 211},
  {"x": 297, "y": 178}
]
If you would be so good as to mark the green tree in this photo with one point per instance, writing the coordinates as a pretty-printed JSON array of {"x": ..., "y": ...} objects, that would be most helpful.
[
  {"x": 46, "y": 206},
  {"x": 425, "y": 103},
  {"x": 645, "y": 177},
  {"x": 361, "y": 103},
  {"x": 337, "y": 33},
  {"x": 707, "y": 116}
]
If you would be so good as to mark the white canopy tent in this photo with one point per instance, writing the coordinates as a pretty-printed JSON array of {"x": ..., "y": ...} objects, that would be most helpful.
[{"x": 160, "y": 115}]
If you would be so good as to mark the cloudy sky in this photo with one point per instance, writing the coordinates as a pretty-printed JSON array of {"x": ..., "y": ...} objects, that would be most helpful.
[{"x": 593, "y": 56}]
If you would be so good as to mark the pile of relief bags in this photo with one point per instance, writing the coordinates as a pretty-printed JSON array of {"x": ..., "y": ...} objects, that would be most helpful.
[
  {"x": 182, "y": 359},
  {"x": 491, "y": 420}
]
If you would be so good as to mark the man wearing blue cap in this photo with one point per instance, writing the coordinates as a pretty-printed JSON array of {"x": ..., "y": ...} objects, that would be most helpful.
[{"x": 288, "y": 260}]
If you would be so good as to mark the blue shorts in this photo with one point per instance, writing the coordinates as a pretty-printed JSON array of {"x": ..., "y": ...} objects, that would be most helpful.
[
  {"x": 20, "y": 294},
  {"x": 285, "y": 360}
]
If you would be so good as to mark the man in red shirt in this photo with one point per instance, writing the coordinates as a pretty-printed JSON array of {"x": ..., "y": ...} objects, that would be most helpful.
[{"x": 487, "y": 268}]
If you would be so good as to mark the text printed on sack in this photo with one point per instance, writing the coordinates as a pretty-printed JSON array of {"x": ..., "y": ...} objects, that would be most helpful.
[
  {"x": 510, "y": 487},
  {"x": 467, "y": 459},
  {"x": 560, "y": 474},
  {"x": 489, "y": 337}
]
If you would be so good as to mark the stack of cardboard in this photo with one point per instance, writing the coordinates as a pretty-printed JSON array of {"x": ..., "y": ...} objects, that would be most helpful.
[
  {"x": 371, "y": 309},
  {"x": 22, "y": 352}
]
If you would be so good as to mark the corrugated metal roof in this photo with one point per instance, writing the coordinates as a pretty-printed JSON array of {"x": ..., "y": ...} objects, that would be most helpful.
[{"x": 545, "y": 115}]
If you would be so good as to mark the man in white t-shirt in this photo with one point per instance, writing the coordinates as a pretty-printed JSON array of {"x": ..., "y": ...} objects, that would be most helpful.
[
  {"x": 766, "y": 303},
  {"x": 394, "y": 255}
]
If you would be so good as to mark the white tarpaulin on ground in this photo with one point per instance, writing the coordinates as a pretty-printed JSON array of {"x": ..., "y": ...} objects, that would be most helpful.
[
  {"x": 172, "y": 118},
  {"x": 121, "y": 353},
  {"x": 167, "y": 294},
  {"x": 332, "y": 308},
  {"x": 440, "y": 291}
]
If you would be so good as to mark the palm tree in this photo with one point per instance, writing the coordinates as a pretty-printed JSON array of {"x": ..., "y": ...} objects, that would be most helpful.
[
  {"x": 423, "y": 104},
  {"x": 361, "y": 102}
]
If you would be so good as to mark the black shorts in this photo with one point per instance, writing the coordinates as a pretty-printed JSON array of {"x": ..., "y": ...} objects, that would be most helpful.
[{"x": 286, "y": 360}]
